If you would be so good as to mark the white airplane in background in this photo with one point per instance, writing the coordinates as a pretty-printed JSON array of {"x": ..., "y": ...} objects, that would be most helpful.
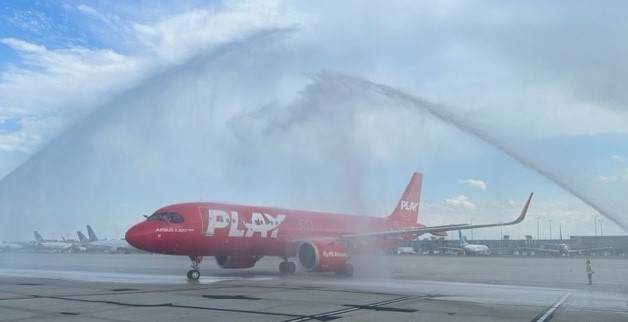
[
  {"x": 57, "y": 246},
  {"x": 470, "y": 249},
  {"x": 7, "y": 246},
  {"x": 563, "y": 249},
  {"x": 94, "y": 244}
]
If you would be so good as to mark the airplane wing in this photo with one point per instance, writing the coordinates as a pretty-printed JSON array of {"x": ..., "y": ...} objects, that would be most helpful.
[
  {"x": 451, "y": 248},
  {"x": 546, "y": 250},
  {"x": 436, "y": 229},
  {"x": 588, "y": 249}
]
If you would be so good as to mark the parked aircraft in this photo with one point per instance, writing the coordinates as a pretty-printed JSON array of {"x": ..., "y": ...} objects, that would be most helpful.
[
  {"x": 472, "y": 249},
  {"x": 238, "y": 236},
  {"x": 563, "y": 249},
  {"x": 110, "y": 245},
  {"x": 7, "y": 246},
  {"x": 469, "y": 249},
  {"x": 405, "y": 250},
  {"x": 58, "y": 246}
]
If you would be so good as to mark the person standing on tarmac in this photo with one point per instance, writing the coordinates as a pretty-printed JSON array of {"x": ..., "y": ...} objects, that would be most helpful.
[{"x": 589, "y": 271}]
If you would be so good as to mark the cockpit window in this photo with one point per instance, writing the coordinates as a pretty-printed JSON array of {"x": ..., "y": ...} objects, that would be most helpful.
[{"x": 172, "y": 217}]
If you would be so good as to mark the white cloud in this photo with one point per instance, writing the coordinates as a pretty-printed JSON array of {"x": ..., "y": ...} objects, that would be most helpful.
[
  {"x": 59, "y": 85},
  {"x": 23, "y": 46},
  {"x": 606, "y": 179},
  {"x": 29, "y": 20},
  {"x": 93, "y": 12},
  {"x": 181, "y": 36},
  {"x": 29, "y": 139},
  {"x": 474, "y": 183},
  {"x": 460, "y": 200},
  {"x": 618, "y": 158},
  {"x": 56, "y": 86},
  {"x": 573, "y": 216}
]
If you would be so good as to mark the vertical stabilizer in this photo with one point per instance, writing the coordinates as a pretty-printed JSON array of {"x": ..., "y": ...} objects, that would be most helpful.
[
  {"x": 38, "y": 237},
  {"x": 90, "y": 233},
  {"x": 463, "y": 241},
  {"x": 408, "y": 206},
  {"x": 82, "y": 238}
]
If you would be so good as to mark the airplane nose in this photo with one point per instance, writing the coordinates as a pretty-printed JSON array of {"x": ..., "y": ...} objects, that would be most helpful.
[{"x": 141, "y": 237}]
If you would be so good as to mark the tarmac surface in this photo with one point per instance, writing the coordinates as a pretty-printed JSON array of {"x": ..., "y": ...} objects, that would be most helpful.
[{"x": 147, "y": 287}]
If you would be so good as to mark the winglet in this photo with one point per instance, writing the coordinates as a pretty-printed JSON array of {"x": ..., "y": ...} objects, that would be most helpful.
[
  {"x": 523, "y": 211},
  {"x": 440, "y": 230}
]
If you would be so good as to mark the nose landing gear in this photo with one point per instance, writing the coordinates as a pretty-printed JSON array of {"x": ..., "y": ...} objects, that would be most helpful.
[{"x": 194, "y": 273}]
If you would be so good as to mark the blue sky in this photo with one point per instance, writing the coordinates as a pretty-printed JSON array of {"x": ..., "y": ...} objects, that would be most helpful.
[{"x": 518, "y": 72}]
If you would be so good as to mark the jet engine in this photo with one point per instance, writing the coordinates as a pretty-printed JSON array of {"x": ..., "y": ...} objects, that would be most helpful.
[
  {"x": 243, "y": 261},
  {"x": 324, "y": 256}
]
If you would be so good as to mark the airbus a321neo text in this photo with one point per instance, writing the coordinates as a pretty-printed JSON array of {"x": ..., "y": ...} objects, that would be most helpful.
[{"x": 238, "y": 236}]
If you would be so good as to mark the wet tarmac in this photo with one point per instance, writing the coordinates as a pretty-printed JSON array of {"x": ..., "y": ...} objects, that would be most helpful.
[{"x": 146, "y": 287}]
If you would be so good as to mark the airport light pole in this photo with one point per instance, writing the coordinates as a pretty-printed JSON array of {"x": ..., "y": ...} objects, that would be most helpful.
[
  {"x": 550, "y": 225},
  {"x": 595, "y": 222},
  {"x": 471, "y": 229},
  {"x": 601, "y": 227},
  {"x": 537, "y": 229},
  {"x": 501, "y": 231}
]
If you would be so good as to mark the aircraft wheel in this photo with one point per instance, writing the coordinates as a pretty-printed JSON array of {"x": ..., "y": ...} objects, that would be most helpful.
[
  {"x": 287, "y": 267},
  {"x": 284, "y": 267},
  {"x": 194, "y": 274},
  {"x": 347, "y": 270}
]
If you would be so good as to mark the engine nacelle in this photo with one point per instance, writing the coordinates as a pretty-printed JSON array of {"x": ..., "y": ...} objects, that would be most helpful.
[
  {"x": 322, "y": 256},
  {"x": 244, "y": 261}
]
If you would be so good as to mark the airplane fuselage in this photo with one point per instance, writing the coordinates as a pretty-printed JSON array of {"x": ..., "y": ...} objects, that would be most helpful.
[
  {"x": 56, "y": 246},
  {"x": 215, "y": 229},
  {"x": 10, "y": 246},
  {"x": 471, "y": 249},
  {"x": 238, "y": 236}
]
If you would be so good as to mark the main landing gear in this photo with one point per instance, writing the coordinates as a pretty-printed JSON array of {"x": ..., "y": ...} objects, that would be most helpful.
[
  {"x": 287, "y": 267},
  {"x": 346, "y": 270},
  {"x": 194, "y": 274}
]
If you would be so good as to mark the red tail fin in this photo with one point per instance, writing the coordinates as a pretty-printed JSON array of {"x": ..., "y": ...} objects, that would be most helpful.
[{"x": 408, "y": 206}]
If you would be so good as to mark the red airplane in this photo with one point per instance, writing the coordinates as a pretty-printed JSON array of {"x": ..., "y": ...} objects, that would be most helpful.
[{"x": 238, "y": 236}]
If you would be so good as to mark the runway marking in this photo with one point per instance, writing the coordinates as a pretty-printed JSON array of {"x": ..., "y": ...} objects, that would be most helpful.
[
  {"x": 231, "y": 297},
  {"x": 180, "y": 306},
  {"x": 327, "y": 316},
  {"x": 112, "y": 277},
  {"x": 548, "y": 314}
]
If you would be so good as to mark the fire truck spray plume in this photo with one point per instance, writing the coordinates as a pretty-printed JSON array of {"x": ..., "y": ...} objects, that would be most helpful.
[{"x": 464, "y": 124}]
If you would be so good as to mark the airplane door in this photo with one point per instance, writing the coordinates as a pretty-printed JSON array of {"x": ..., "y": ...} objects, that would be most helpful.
[
  {"x": 208, "y": 221},
  {"x": 211, "y": 224}
]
